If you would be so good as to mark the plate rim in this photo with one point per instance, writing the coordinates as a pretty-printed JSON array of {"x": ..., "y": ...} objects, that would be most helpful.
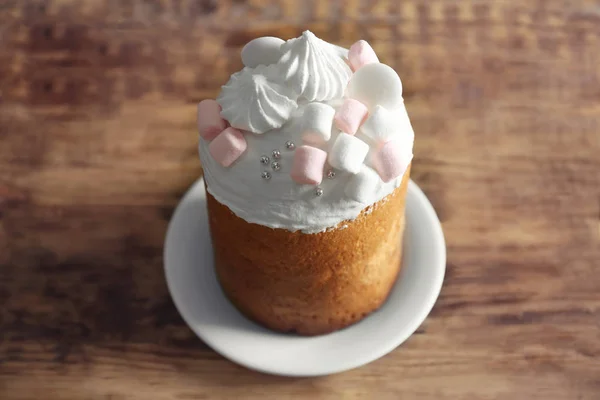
[{"x": 425, "y": 310}]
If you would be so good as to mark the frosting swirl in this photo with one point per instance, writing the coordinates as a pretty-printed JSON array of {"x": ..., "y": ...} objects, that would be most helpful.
[
  {"x": 313, "y": 69},
  {"x": 250, "y": 101}
]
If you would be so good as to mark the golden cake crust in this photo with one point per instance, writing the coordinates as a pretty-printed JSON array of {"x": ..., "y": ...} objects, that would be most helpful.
[{"x": 309, "y": 283}]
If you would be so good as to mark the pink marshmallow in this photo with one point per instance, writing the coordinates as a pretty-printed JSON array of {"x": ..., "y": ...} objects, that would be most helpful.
[
  {"x": 350, "y": 115},
  {"x": 228, "y": 146},
  {"x": 392, "y": 160},
  {"x": 361, "y": 53},
  {"x": 308, "y": 165},
  {"x": 210, "y": 123}
]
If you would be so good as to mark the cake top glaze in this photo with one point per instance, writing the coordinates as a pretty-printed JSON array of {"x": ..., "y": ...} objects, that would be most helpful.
[{"x": 306, "y": 135}]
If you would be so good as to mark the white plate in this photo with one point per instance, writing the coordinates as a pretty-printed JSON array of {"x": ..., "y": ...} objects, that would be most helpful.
[{"x": 198, "y": 297}]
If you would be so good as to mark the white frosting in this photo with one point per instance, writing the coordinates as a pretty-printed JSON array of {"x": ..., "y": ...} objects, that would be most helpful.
[
  {"x": 311, "y": 69},
  {"x": 251, "y": 102}
]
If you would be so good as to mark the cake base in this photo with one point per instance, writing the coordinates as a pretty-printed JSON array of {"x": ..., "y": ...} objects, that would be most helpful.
[{"x": 309, "y": 284}]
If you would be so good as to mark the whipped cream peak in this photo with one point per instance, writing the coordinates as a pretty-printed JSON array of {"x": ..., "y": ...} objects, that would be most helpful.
[
  {"x": 313, "y": 68},
  {"x": 252, "y": 101}
]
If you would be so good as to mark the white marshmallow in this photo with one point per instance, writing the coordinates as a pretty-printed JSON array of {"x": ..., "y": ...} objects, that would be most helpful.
[
  {"x": 376, "y": 84},
  {"x": 363, "y": 185},
  {"x": 348, "y": 153},
  {"x": 262, "y": 51},
  {"x": 381, "y": 125},
  {"x": 317, "y": 122}
]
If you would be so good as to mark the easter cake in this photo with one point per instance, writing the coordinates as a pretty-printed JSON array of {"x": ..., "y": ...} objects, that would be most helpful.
[{"x": 306, "y": 155}]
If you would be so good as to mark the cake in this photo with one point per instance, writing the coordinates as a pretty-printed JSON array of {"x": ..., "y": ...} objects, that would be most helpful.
[{"x": 306, "y": 156}]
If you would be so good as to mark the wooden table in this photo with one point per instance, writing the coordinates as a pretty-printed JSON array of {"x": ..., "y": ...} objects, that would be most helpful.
[{"x": 98, "y": 144}]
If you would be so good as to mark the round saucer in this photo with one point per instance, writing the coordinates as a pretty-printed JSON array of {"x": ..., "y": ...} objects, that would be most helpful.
[{"x": 197, "y": 295}]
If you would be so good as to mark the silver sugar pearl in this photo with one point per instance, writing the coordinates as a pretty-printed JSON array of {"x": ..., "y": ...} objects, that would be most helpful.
[
  {"x": 276, "y": 154},
  {"x": 266, "y": 175},
  {"x": 290, "y": 145},
  {"x": 265, "y": 160},
  {"x": 330, "y": 174},
  {"x": 319, "y": 191},
  {"x": 276, "y": 166}
]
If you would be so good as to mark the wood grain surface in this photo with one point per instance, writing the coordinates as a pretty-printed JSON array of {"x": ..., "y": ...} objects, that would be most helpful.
[{"x": 98, "y": 144}]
